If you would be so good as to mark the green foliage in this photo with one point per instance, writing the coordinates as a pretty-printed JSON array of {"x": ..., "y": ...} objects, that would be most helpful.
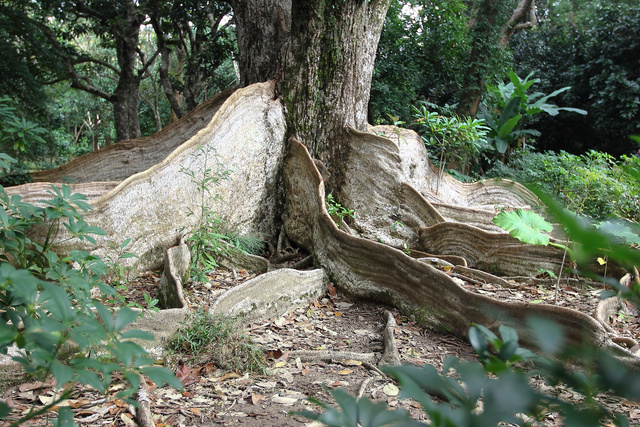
[
  {"x": 592, "y": 184},
  {"x": 452, "y": 138},
  {"x": 510, "y": 107},
  {"x": 211, "y": 237},
  {"x": 204, "y": 338},
  {"x": 336, "y": 210},
  {"x": 18, "y": 136},
  {"x": 594, "y": 47},
  {"x": 525, "y": 225},
  {"x": 421, "y": 55},
  {"x": 118, "y": 275},
  {"x": 46, "y": 303}
]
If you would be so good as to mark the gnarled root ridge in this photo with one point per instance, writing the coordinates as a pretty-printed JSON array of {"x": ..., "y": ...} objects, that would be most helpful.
[{"x": 375, "y": 271}]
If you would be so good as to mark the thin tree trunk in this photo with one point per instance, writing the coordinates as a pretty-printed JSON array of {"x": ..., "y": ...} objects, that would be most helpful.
[{"x": 485, "y": 38}]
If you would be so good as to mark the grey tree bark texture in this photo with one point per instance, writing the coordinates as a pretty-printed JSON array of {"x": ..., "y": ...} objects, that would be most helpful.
[{"x": 322, "y": 55}]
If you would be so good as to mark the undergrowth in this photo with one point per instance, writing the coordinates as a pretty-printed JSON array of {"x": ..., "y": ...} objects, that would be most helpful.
[
  {"x": 204, "y": 338},
  {"x": 593, "y": 184}
]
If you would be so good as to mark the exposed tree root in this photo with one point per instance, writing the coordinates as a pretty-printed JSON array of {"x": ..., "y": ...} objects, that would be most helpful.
[
  {"x": 143, "y": 412},
  {"x": 370, "y": 270},
  {"x": 390, "y": 357}
]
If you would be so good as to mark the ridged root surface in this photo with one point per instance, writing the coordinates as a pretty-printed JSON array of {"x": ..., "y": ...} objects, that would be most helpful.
[{"x": 375, "y": 271}]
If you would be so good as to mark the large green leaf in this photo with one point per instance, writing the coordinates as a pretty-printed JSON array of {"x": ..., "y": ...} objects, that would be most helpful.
[{"x": 526, "y": 226}]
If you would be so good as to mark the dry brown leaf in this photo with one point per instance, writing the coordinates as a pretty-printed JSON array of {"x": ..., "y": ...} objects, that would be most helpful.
[
  {"x": 34, "y": 386},
  {"x": 351, "y": 362},
  {"x": 256, "y": 398},
  {"x": 305, "y": 371},
  {"x": 229, "y": 376},
  {"x": 390, "y": 389},
  {"x": 345, "y": 372},
  {"x": 332, "y": 290},
  {"x": 195, "y": 411}
]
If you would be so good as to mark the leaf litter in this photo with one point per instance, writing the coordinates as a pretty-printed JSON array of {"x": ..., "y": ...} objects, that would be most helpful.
[{"x": 333, "y": 324}]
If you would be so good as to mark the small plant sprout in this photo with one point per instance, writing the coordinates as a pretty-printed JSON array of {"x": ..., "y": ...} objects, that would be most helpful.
[{"x": 337, "y": 211}]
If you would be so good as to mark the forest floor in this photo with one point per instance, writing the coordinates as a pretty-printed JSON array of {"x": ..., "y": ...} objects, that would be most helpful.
[{"x": 330, "y": 326}]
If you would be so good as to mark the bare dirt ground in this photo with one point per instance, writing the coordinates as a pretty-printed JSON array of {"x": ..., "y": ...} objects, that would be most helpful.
[{"x": 335, "y": 329}]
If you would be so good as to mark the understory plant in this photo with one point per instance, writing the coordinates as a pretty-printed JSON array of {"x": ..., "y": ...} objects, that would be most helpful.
[
  {"x": 50, "y": 303},
  {"x": 211, "y": 237},
  {"x": 338, "y": 212},
  {"x": 509, "y": 108},
  {"x": 500, "y": 387},
  {"x": 204, "y": 338},
  {"x": 451, "y": 139},
  {"x": 594, "y": 184}
]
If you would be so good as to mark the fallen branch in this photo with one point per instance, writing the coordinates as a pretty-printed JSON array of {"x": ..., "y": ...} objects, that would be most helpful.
[{"x": 363, "y": 387}]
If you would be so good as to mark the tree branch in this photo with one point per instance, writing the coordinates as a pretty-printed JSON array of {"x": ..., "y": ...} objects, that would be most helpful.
[
  {"x": 68, "y": 61},
  {"x": 524, "y": 8},
  {"x": 85, "y": 59}
]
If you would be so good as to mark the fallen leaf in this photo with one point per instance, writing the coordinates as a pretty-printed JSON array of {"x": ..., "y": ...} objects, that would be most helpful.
[
  {"x": 284, "y": 400},
  {"x": 229, "y": 376},
  {"x": 390, "y": 390},
  {"x": 273, "y": 354},
  {"x": 195, "y": 411},
  {"x": 305, "y": 371},
  {"x": 351, "y": 362},
  {"x": 332, "y": 290},
  {"x": 33, "y": 386},
  {"x": 345, "y": 372},
  {"x": 126, "y": 419},
  {"x": 279, "y": 364},
  {"x": 186, "y": 375},
  {"x": 256, "y": 398}
]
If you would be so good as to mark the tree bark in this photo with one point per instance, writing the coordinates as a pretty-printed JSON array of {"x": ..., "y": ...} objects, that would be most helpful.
[
  {"x": 519, "y": 21},
  {"x": 322, "y": 54},
  {"x": 485, "y": 37}
]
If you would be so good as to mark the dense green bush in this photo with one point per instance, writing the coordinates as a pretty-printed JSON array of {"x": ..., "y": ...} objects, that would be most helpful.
[
  {"x": 50, "y": 305},
  {"x": 594, "y": 184},
  {"x": 594, "y": 47}
]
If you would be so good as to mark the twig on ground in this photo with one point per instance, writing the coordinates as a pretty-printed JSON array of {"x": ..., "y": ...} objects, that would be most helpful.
[
  {"x": 363, "y": 387},
  {"x": 328, "y": 356}
]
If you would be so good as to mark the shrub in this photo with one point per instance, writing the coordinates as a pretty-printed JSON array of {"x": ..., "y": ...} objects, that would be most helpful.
[
  {"x": 593, "y": 184},
  {"x": 48, "y": 303}
]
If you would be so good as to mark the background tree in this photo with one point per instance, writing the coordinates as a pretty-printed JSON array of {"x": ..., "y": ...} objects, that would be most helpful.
[
  {"x": 421, "y": 57},
  {"x": 198, "y": 34},
  {"x": 594, "y": 47}
]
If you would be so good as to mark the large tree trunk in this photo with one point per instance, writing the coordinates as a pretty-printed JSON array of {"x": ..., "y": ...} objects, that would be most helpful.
[{"x": 322, "y": 53}]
